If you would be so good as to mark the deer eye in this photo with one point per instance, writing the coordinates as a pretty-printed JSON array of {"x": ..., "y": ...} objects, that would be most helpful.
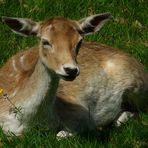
[
  {"x": 78, "y": 46},
  {"x": 46, "y": 44}
]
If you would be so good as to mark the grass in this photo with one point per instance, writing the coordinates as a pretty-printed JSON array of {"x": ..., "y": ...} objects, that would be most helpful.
[{"x": 127, "y": 30}]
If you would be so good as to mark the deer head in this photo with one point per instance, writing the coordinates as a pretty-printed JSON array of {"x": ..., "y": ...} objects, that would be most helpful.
[{"x": 60, "y": 39}]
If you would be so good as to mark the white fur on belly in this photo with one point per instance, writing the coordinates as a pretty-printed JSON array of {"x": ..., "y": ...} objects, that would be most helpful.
[{"x": 103, "y": 98}]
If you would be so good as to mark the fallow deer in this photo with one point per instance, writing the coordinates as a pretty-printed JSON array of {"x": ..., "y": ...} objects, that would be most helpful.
[
  {"x": 112, "y": 85},
  {"x": 29, "y": 78}
]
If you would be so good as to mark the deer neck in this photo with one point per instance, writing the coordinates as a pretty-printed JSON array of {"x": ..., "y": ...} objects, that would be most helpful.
[{"x": 38, "y": 89}]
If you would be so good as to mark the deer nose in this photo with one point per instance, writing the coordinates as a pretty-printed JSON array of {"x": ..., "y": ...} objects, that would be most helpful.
[{"x": 71, "y": 71}]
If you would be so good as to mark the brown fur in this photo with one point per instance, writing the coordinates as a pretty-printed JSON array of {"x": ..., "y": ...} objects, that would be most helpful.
[{"x": 92, "y": 58}]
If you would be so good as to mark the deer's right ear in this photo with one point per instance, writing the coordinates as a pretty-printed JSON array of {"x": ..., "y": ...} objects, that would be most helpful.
[{"x": 22, "y": 26}]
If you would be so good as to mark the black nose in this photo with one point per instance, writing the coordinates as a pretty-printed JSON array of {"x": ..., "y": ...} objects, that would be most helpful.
[{"x": 71, "y": 71}]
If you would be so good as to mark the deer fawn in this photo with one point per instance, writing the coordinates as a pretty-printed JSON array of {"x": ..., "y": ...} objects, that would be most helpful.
[
  {"x": 112, "y": 85},
  {"x": 28, "y": 77}
]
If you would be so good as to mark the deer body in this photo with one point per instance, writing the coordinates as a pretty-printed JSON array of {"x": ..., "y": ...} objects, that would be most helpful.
[
  {"x": 95, "y": 98},
  {"x": 30, "y": 78}
]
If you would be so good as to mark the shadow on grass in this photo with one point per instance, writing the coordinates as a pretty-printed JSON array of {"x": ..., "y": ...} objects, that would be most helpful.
[{"x": 132, "y": 134}]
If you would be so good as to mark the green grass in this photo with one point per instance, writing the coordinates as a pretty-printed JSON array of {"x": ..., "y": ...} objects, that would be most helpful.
[{"x": 127, "y": 30}]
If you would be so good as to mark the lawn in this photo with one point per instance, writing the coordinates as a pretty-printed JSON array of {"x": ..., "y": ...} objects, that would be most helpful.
[{"x": 127, "y": 30}]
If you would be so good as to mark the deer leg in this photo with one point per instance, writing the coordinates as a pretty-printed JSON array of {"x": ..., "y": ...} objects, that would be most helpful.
[{"x": 123, "y": 118}]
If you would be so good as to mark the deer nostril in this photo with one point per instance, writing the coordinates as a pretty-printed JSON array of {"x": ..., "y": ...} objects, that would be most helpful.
[{"x": 71, "y": 71}]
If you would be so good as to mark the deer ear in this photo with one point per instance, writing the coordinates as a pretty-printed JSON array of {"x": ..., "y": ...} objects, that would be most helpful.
[
  {"x": 93, "y": 23},
  {"x": 22, "y": 26}
]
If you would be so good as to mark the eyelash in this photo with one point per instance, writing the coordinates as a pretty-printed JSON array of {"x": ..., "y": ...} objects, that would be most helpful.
[{"x": 78, "y": 46}]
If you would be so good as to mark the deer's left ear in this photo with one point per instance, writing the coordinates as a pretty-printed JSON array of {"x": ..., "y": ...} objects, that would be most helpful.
[
  {"x": 22, "y": 26},
  {"x": 93, "y": 23}
]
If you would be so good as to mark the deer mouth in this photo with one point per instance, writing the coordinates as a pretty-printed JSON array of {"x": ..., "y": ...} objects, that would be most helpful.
[{"x": 68, "y": 77}]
